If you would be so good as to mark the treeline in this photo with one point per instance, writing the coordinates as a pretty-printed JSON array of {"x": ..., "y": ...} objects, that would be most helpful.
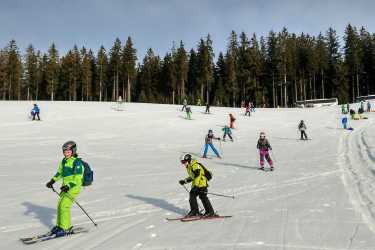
[{"x": 276, "y": 70}]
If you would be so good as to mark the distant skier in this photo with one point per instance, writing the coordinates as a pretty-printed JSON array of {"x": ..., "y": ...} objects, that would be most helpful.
[
  {"x": 70, "y": 170},
  {"x": 368, "y": 106},
  {"x": 264, "y": 146},
  {"x": 199, "y": 103},
  {"x": 35, "y": 112},
  {"x": 207, "y": 108},
  {"x": 343, "y": 109},
  {"x": 344, "y": 122},
  {"x": 199, "y": 184},
  {"x": 188, "y": 113},
  {"x": 184, "y": 104},
  {"x": 231, "y": 121},
  {"x": 228, "y": 132},
  {"x": 302, "y": 128},
  {"x": 252, "y": 107},
  {"x": 248, "y": 109},
  {"x": 208, "y": 143}
]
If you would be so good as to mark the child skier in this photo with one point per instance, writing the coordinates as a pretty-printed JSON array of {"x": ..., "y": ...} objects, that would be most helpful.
[
  {"x": 207, "y": 108},
  {"x": 248, "y": 109},
  {"x": 231, "y": 121},
  {"x": 208, "y": 142},
  {"x": 302, "y": 128},
  {"x": 228, "y": 132},
  {"x": 188, "y": 113},
  {"x": 263, "y": 145},
  {"x": 199, "y": 184},
  {"x": 344, "y": 122},
  {"x": 35, "y": 112},
  {"x": 70, "y": 170},
  {"x": 184, "y": 104}
]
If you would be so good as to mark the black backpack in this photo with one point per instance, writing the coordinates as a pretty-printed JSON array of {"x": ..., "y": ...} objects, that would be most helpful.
[{"x": 207, "y": 173}]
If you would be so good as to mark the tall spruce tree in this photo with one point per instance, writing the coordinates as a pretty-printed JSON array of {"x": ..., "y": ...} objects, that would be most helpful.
[
  {"x": 102, "y": 76},
  {"x": 52, "y": 72},
  {"x": 31, "y": 73},
  {"x": 129, "y": 58},
  {"x": 13, "y": 71},
  {"x": 181, "y": 70}
]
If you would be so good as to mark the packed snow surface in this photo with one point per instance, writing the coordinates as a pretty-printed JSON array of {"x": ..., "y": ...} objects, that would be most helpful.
[{"x": 320, "y": 196}]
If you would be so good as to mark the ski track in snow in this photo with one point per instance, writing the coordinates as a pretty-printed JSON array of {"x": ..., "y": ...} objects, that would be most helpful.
[{"x": 303, "y": 204}]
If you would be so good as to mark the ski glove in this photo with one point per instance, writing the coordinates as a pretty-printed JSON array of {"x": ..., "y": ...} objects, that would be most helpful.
[
  {"x": 50, "y": 183},
  {"x": 182, "y": 182},
  {"x": 64, "y": 188}
]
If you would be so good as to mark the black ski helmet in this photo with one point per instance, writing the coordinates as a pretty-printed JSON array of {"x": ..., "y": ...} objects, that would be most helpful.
[
  {"x": 186, "y": 158},
  {"x": 210, "y": 131},
  {"x": 70, "y": 145}
]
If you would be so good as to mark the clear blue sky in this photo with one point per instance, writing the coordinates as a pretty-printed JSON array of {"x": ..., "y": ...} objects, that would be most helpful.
[{"x": 157, "y": 23}]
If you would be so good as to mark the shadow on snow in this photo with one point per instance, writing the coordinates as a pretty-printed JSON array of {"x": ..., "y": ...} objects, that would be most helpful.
[
  {"x": 163, "y": 204},
  {"x": 43, "y": 214}
]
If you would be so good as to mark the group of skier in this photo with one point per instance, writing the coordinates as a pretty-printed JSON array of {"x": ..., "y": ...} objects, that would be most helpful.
[{"x": 71, "y": 170}]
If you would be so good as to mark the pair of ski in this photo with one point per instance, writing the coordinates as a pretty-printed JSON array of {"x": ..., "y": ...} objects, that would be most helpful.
[
  {"x": 49, "y": 236},
  {"x": 198, "y": 217}
]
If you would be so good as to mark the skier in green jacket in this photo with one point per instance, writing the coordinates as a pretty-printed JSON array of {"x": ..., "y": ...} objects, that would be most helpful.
[{"x": 70, "y": 170}]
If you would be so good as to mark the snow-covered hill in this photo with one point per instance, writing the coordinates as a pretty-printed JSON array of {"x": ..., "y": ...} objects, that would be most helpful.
[{"x": 320, "y": 196}]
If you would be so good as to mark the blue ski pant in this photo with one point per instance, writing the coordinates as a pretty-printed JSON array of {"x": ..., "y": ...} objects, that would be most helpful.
[{"x": 212, "y": 147}]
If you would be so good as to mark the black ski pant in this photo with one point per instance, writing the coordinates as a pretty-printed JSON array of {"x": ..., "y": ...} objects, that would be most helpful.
[
  {"x": 207, "y": 109},
  {"x": 202, "y": 193},
  {"x": 225, "y": 134},
  {"x": 183, "y": 107},
  {"x": 248, "y": 112},
  {"x": 303, "y": 135},
  {"x": 36, "y": 114}
]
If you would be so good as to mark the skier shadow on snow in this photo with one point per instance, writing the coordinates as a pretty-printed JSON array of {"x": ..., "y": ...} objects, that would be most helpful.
[
  {"x": 285, "y": 138},
  {"x": 43, "y": 214},
  {"x": 238, "y": 165},
  {"x": 159, "y": 203},
  {"x": 334, "y": 128}
]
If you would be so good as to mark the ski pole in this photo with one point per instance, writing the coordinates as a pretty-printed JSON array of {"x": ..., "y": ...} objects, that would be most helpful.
[
  {"x": 221, "y": 149},
  {"x": 72, "y": 199},
  {"x": 273, "y": 156},
  {"x": 221, "y": 195}
]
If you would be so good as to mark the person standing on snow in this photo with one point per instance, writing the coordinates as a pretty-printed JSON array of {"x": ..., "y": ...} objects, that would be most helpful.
[
  {"x": 199, "y": 184},
  {"x": 231, "y": 121},
  {"x": 184, "y": 103},
  {"x": 208, "y": 143},
  {"x": 247, "y": 112},
  {"x": 35, "y": 112},
  {"x": 228, "y": 132},
  {"x": 302, "y": 128},
  {"x": 70, "y": 170},
  {"x": 188, "y": 113},
  {"x": 264, "y": 146},
  {"x": 207, "y": 108}
]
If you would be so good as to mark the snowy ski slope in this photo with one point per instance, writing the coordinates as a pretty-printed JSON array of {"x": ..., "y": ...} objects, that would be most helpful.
[{"x": 320, "y": 196}]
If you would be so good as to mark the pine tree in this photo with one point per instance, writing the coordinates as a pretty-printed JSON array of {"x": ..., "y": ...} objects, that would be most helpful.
[
  {"x": 193, "y": 73},
  {"x": 13, "y": 71},
  {"x": 181, "y": 70},
  {"x": 52, "y": 71},
  {"x": 3, "y": 73},
  {"x": 321, "y": 52},
  {"x": 102, "y": 67},
  {"x": 129, "y": 58},
  {"x": 168, "y": 78},
  {"x": 86, "y": 74},
  {"x": 114, "y": 67},
  {"x": 31, "y": 73},
  {"x": 352, "y": 50}
]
